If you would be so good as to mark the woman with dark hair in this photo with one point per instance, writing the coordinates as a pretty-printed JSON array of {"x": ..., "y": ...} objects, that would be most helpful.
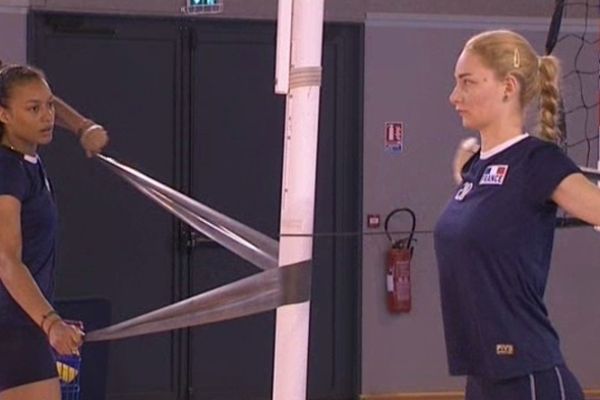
[{"x": 29, "y": 326}]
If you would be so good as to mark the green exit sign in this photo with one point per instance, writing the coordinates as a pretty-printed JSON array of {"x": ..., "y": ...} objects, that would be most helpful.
[{"x": 203, "y": 6}]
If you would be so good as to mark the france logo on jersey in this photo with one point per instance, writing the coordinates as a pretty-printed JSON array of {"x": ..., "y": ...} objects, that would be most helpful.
[{"x": 494, "y": 175}]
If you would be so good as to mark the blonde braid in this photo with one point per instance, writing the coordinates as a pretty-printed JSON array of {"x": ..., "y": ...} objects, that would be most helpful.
[{"x": 549, "y": 71}]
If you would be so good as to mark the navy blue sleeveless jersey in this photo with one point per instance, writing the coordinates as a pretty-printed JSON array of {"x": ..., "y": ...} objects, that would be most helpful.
[
  {"x": 24, "y": 178},
  {"x": 493, "y": 245}
]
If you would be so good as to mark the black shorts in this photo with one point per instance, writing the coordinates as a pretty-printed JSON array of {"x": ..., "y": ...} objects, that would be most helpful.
[
  {"x": 556, "y": 383},
  {"x": 25, "y": 356}
]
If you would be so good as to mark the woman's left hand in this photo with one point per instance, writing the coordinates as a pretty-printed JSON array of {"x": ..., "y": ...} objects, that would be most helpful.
[
  {"x": 94, "y": 139},
  {"x": 464, "y": 152}
]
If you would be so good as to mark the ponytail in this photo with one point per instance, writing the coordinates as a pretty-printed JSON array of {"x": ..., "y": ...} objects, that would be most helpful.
[{"x": 549, "y": 72}]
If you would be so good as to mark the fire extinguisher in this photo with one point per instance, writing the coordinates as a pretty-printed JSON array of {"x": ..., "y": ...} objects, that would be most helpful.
[{"x": 397, "y": 267}]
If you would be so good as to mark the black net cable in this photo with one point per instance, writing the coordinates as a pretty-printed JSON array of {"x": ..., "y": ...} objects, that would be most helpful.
[
  {"x": 356, "y": 233},
  {"x": 577, "y": 77},
  {"x": 555, "y": 24},
  {"x": 580, "y": 76}
]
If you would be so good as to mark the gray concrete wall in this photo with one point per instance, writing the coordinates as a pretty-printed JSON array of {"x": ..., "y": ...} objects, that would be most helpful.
[
  {"x": 409, "y": 64},
  {"x": 13, "y": 33}
]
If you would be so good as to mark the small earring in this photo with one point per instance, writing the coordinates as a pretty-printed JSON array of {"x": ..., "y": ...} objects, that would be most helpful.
[{"x": 505, "y": 98}]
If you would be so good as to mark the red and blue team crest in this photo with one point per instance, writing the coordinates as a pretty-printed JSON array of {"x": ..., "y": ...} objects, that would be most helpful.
[{"x": 494, "y": 175}]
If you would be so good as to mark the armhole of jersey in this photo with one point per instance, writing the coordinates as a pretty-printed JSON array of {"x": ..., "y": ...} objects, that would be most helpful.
[
  {"x": 14, "y": 197},
  {"x": 18, "y": 173}
]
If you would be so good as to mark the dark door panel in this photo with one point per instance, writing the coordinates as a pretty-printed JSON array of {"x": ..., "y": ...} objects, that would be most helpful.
[
  {"x": 237, "y": 153},
  {"x": 115, "y": 244}
]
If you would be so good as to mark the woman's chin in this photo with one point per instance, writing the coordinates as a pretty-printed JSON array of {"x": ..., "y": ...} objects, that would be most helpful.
[
  {"x": 46, "y": 139},
  {"x": 468, "y": 125}
]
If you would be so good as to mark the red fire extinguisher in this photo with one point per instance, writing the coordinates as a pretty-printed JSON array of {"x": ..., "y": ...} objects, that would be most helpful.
[{"x": 398, "y": 267}]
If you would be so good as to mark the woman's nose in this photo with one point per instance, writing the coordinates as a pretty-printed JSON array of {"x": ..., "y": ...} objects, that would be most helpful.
[
  {"x": 453, "y": 98},
  {"x": 48, "y": 114}
]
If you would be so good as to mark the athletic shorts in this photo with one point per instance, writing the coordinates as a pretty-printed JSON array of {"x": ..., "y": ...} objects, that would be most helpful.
[
  {"x": 556, "y": 383},
  {"x": 25, "y": 356}
]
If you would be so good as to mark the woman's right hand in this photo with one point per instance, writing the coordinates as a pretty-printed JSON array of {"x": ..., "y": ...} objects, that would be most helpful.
[
  {"x": 94, "y": 139},
  {"x": 65, "y": 338}
]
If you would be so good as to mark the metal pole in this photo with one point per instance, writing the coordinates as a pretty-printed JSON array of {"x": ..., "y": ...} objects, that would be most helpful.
[{"x": 298, "y": 192}]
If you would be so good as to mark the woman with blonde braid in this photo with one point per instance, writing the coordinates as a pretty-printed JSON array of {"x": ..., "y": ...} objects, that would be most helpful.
[{"x": 494, "y": 240}]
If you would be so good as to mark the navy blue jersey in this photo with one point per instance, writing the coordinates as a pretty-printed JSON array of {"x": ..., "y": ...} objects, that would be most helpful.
[
  {"x": 23, "y": 177},
  {"x": 493, "y": 245}
]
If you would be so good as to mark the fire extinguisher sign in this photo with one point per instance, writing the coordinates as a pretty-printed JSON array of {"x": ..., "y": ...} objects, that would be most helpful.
[{"x": 394, "y": 136}]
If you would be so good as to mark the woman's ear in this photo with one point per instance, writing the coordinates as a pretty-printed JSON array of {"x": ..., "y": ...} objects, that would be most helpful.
[
  {"x": 4, "y": 116},
  {"x": 511, "y": 86}
]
